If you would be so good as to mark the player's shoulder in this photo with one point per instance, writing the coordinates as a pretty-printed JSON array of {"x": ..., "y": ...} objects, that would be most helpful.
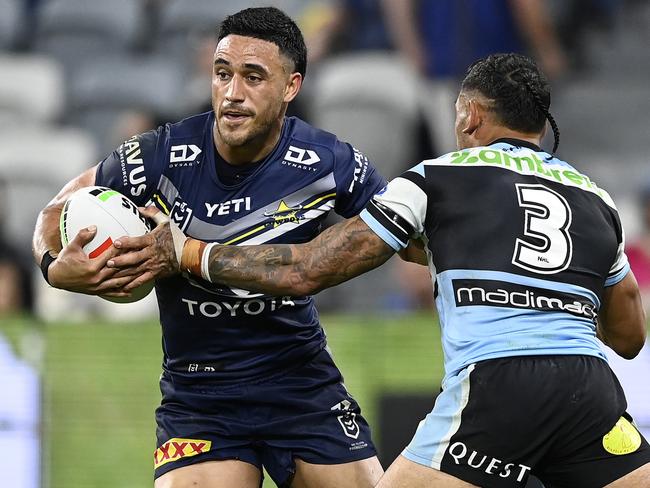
[
  {"x": 307, "y": 147},
  {"x": 303, "y": 134},
  {"x": 298, "y": 129},
  {"x": 148, "y": 142},
  {"x": 192, "y": 126}
]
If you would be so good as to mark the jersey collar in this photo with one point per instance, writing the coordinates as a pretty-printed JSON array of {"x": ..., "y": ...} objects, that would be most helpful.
[{"x": 517, "y": 142}]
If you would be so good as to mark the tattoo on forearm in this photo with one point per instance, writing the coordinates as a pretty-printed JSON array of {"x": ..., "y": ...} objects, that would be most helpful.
[
  {"x": 166, "y": 256},
  {"x": 341, "y": 252}
]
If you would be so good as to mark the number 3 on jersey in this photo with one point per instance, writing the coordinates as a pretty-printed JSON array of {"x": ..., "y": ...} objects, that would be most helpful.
[{"x": 546, "y": 246}]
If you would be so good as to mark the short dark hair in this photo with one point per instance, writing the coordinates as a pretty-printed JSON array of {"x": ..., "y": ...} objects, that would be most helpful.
[
  {"x": 520, "y": 91},
  {"x": 269, "y": 24}
]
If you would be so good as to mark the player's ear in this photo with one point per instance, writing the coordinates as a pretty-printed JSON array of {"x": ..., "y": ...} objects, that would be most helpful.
[
  {"x": 474, "y": 116},
  {"x": 292, "y": 87}
]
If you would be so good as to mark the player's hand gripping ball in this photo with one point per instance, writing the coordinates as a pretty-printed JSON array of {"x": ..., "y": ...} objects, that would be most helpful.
[{"x": 114, "y": 215}]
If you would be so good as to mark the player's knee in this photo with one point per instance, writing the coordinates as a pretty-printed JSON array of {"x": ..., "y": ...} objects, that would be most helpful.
[{"x": 637, "y": 478}]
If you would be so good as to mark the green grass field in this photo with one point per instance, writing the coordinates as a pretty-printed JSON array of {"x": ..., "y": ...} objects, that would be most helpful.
[{"x": 100, "y": 386}]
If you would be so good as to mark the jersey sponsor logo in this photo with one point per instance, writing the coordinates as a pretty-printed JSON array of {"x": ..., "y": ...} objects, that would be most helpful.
[
  {"x": 347, "y": 419},
  {"x": 462, "y": 455},
  {"x": 132, "y": 165},
  {"x": 297, "y": 157},
  {"x": 622, "y": 439},
  {"x": 526, "y": 162},
  {"x": 360, "y": 169},
  {"x": 184, "y": 155},
  {"x": 496, "y": 293},
  {"x": 177, "y": 448},
  {"x": 224, "y": 208},
  {"x": 129, "y": 205},
  {"x": 236, "y": 308}
]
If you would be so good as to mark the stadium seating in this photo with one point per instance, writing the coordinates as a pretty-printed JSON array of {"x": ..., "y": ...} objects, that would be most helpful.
[
  {"x": 181, "y": 21},
  {"x": 31, "y": 89},
  {"x": 35, "y": 162},
  {"x": 102, "y": 91},
  {"x": 371, "y": 101},
  {"x": 11, "y": 22},
  {"x": 73, "y": 30},
  {"x": 141, "y": 82},
  {"x": 602, "y": 130}
]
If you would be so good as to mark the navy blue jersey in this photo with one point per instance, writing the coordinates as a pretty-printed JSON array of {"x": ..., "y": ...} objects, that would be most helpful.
[{"x": 215, "y": 332}]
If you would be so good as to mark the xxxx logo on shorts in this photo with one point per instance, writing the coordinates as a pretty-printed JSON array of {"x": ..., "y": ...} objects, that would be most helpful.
[
  {"x": 622, "y": 439},
  {"x": 175, "y": 449}
]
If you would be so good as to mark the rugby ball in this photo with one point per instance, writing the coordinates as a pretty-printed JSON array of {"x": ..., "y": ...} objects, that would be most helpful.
[{"x": 114, "y": 215}]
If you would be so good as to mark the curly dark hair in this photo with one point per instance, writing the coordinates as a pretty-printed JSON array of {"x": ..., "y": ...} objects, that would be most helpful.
[
  {"x": 269, "y": 24},
  {"x": 520, "y": 91}
]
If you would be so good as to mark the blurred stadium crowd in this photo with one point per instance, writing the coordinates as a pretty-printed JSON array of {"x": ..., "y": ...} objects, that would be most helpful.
[
  {"x": 77, "y": 77},
  {"x": 80, "y": 76}
]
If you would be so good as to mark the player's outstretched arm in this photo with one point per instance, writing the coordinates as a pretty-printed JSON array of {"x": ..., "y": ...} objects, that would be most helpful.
[
  {"x": 342, "y": 252},
  {"x": 622, "y": 321}
]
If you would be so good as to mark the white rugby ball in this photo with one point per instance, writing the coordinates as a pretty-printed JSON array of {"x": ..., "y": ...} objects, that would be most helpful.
[{"x": 114, "y": 215}]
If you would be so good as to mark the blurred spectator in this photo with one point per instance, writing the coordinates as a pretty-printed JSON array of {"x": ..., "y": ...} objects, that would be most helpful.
[
  {"x": 133, "y": 122},
  {"x": 441, "y": 38},
  {"x": 415, "y": 290},
  {"x": 196, "y": 98},
  {"x": 574, "y": 17},
  {"x": 15, "y": 272},
  {"x": 638, "y": 250},
  {"x": 632, "y": 375},
  {"x": 347, "y": 25}
]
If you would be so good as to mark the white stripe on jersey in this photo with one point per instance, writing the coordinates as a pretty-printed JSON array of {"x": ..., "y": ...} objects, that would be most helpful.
[
  {"x": 289, "y": 226},
  {"x": 407, "y": 200}
]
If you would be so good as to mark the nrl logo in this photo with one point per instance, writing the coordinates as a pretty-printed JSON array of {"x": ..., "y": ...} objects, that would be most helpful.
[{"x": 348, "y": 419}]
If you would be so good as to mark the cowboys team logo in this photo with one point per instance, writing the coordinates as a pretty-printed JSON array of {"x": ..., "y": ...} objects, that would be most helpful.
[
  {"x": 284, "y": 214},
  {"x": 348, "y": 419}
]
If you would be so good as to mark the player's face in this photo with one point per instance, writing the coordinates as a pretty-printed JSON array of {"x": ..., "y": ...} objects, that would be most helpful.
[{"x": 252, "y": 83}]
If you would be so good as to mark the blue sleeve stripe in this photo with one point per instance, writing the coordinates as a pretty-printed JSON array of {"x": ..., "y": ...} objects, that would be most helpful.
[
  {"x": 618, "y": 275},
  {"x": 381, "y": 231},
  {"x": 419, "y": 169}
]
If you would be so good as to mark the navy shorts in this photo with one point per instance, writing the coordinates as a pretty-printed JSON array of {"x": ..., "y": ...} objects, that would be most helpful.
[
  {"x": 560, "y": 418},
  {"x": 303, "y": 413}
]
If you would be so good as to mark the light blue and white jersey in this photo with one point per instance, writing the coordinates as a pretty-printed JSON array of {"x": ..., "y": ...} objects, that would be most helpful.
[{"x": 520, "y": 245}]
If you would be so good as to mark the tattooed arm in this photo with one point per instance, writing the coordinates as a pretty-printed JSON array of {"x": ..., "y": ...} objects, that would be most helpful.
[{"x": 342, "y": 252}]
